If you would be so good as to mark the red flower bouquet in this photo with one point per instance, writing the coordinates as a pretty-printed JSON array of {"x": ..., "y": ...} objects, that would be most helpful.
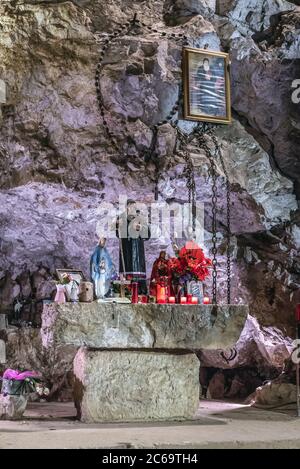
[{"x": 190, "y": 264}]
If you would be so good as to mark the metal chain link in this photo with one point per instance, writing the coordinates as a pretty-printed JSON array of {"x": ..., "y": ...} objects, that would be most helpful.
[
  {"x": 121, "y": 31},
  {"x": 228, "y": 216},
  {"x": 181, "y": 147},
  {"x": 189, "y": 173},
  {"x": 200, "y": 132}
]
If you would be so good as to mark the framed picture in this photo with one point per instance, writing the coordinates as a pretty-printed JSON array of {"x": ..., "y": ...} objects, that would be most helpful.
[
  {"x": 71, "y": 288},
  {"x": 206, "y": 86}
]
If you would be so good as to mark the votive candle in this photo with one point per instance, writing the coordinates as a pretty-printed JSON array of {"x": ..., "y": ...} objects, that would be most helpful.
[
  {"x": 206, "y": 300},
  {"x": 171, "y": 299},
  {"x": 194, "y": 300},
  {"x": 183, "y": 300},
  {"x": 161, "y": 294}
]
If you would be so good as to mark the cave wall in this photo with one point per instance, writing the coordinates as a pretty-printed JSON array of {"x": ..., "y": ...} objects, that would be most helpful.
[{"x": 57, "y": 164}]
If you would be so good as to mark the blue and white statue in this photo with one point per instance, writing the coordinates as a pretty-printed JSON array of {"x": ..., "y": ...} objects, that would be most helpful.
[{"x": 102, "y": 270}]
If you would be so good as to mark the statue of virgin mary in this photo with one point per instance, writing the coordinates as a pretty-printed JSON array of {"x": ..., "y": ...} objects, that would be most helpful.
[{"x": 102, "y": 269}]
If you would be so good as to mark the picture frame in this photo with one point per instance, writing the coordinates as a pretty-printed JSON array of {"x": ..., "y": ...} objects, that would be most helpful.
[
  {"x": 206, "y": 86},
  {"x": 77, "y": 275}
]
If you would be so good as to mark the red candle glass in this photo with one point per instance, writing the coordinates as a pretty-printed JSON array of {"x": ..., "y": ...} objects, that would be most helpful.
[
  {"x": 171, "y": 300},
  {"x": 183, "y": 300},
  {"x": 143, "y": 299},
  {"x": 206, "y": 300},
  {"x": 194, "y": 300},
  {"x": 161, "y": 294},
  {"x": 134, "y": 292}
]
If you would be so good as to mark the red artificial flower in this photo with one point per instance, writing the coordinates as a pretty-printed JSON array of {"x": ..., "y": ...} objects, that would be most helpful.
[
  {"x": 191, "y": 250},
  {"x": 190, "y": 261}
]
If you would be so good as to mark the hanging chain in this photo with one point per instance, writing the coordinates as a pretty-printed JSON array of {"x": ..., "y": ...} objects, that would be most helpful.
[
  {"x": 181, "y": 147},
  {"x": 189, "y": 173},
  {"x": 228, "y": 216},
  {"x": 199, "y": 133},
  {"x": 122, "y": 30}
]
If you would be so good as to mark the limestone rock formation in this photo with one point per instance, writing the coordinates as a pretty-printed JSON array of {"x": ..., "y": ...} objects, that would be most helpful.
[
  {"x": 278, "y": 392},
  {"x": 24, "y": 351},
  {"x": 261, "y": 355},
  {"x": 12, "y": 407},
  {"x": 57, "y": 164},
  {"x": 258, "y": 347},
  {"x": 252, "y": 15},
  {"x": 275, "y": 395}
]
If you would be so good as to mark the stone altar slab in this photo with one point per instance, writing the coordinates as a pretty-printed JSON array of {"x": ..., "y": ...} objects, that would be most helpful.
[
  {"x": 140, "y": 326},
  {"x": 124, "y": 386}
]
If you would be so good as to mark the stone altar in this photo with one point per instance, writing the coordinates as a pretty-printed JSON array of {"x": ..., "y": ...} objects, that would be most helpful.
[{"x": 136, "y": 362}]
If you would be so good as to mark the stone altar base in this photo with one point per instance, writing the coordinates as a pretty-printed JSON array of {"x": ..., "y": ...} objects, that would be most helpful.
[
  {"x": 125, "y": 386},
  {"x": 136, "y": 362}
]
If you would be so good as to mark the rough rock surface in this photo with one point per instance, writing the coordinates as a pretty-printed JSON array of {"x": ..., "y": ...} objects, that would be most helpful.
[
  {"x": 252, "y": 15},
  {"x": 258, "y": 347},
  {"x": 157, "y": 386},
  {"x": 275, "y": 395},
  {"x": 279, "y": 391},
  {"x": 261, "y": 354},
  {"x": 24, "y": 351},
  {"x": 57, "y": 165},
  {"x": 149, "y": 326},
  {"x": 12, "y": 407}
]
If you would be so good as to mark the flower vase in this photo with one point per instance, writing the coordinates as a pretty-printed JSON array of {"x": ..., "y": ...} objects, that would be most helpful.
[
  {"x": 60, "y": 296},
  {"x": 179, "y": 291},
  {"x": 195, "y": 288}
]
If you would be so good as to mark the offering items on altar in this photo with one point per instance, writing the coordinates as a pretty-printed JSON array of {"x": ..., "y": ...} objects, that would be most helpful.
[
  {"x": 188, "y": 269},
  {"x": 132, "y": 230},
  {"x": 143, "y": 299},
  {"x": 68, "y": 285},
  {"x": 121, "y": 288},
  {"x": 206, "y": 300},
  {"x": 102, "y": 270},
  {"x": 134, "y": 292},
  {"x": 86, "y": 292},
  {"x": 161, "y": 270},
  {"x": 162, "y": 290},
  {"x": 60, "y": 296}
]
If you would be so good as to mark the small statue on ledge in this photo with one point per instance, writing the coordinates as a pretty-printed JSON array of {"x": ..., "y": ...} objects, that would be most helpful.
[
  {"x": 102, "y": 269},
  {"x": 161, "y": 268},
  {"x": 132, "y": 229}
]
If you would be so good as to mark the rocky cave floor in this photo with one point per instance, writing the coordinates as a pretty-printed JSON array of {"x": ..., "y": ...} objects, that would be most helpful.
[{"x": 218, "y": 424}]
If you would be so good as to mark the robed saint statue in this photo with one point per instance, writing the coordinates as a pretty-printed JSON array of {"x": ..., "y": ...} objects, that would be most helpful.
[
  {"x": 102, "y": 270},
  {"x": 132, "y": 230}
]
